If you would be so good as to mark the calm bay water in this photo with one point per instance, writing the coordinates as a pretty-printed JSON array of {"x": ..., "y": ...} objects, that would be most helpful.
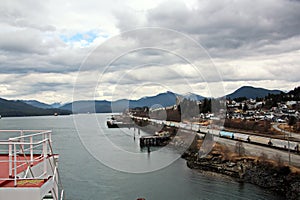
[{"x": 84, "y": 177}]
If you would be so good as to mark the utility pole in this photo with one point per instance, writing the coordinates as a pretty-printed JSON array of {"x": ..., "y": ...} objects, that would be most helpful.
[
  {"x": 287, "y": 135},
  {"x": 289, "y": 148},
  {"x": 291, "y": 122}
]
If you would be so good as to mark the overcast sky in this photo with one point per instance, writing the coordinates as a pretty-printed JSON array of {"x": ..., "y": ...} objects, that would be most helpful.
[{"x": 106, "y": 50}]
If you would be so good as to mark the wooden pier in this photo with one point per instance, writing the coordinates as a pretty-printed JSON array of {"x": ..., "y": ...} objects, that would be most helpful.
[
  {"x": 118, "y": 124},
  {"x": 154, "y": 140}
]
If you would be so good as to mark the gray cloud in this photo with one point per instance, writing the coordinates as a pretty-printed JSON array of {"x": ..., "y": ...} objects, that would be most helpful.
[
  {"x": 29, "y": 14},
  {"x": 25, "y": 41},
  {"x": 42, "y": 46},
  {"x": 240, "y": 27},
  {"x": 250, "y": 41}
]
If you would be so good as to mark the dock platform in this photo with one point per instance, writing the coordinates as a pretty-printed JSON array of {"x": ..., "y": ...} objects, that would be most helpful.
[{"x": 154, "y": 140}]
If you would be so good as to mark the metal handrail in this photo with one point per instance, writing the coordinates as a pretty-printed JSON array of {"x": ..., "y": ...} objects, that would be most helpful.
[
  {"x": 32, "y": 135},
  {"x": 24, "y": 145},
  {"x": 24, "y": 131},
  {"x": 62, "y": 195},
  {"x": 59, "y": 183},
  {"x": 16, "y": 147},
  {"x": 56, "y": 174}
]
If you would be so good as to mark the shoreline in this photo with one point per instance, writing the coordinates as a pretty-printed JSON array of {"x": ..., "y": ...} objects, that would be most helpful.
[
  {"x": 214, "y": 174},
  {"x": 226, "y": 178},
  {"x": 222, "y": 162},
  {"x": 261, "y": 173}
]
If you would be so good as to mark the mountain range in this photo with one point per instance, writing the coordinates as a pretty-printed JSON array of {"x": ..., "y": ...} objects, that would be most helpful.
[
  {"x": 251, "y": 92},
  {"x": 33, "y": 107},
  {"x": 38, "y": 104},
  {"x": 12, "y": 108}
]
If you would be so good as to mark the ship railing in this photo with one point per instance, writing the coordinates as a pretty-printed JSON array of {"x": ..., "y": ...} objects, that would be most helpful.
[
  {"x": 23, "y": 150},
  {"x": 59, "y": 191},
  {"x": 56, "y": 176}
]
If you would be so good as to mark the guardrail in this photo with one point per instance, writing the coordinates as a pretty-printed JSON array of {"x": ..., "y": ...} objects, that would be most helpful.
[
  {"x": 16, "y": 147},
  {"x": 34, "y": 146}
]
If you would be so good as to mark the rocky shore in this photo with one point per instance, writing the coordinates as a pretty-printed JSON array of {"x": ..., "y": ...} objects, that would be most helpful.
[{"x": 268, "y": 174}]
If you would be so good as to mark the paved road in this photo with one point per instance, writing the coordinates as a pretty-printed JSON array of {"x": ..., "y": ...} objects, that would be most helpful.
[{"x": 291, "y": 134}]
